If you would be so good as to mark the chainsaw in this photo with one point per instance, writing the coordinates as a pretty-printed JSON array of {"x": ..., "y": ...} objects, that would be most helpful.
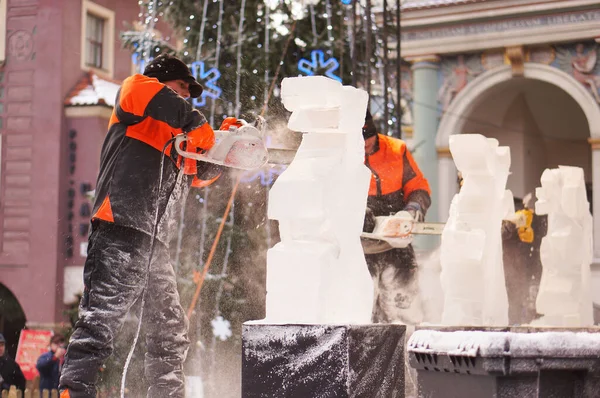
[
  {"x": 241, "y": 147},
  {"x": 396, "y": 232}
]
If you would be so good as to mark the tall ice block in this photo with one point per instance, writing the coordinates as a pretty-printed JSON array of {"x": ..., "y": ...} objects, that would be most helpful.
[
  {"x": 564, "y": 297},
  {"x": 317, "y": 274},
  {"x": 471, "y": 253}
]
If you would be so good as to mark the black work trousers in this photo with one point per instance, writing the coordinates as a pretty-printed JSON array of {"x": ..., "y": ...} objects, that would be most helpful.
[
  {"x": 114, "y": 276},
  {"x": 396, "y": 287}
]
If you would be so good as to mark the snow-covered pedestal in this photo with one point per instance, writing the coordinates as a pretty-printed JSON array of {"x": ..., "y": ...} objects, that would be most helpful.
[
  {"x": 506, "y": 363},
  {"x": 316, "y": 340},
  {"x": 306, "y": 361},
  {"x": 472, "y": 274},
  {"x": 566, "y": 251}
]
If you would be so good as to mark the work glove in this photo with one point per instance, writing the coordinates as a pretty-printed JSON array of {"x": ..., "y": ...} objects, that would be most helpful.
[
  {"x": 230, "y": 121},
  {"x": 369, "y": 223},
  {"x": 414, "y": 209},
  {"x": 526, "y": 231}
]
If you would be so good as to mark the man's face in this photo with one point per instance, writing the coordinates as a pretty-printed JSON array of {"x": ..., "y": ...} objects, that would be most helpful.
[
  {"x": 2, "y": 349},
  {"x": 180, "y": 87},
  {"x": 370, "y": 145}
]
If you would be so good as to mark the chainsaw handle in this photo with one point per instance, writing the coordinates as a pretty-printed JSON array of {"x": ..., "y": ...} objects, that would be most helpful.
[{"x": 192, "y": 155}]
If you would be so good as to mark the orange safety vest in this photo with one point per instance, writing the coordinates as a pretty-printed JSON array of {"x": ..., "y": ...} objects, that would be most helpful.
[
  {"x": 146, "y": 116},
  {"x": 395, "y": 176}
]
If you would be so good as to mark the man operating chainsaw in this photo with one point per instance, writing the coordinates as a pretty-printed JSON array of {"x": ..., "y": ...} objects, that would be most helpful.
[
  {"x": 141, "y": 181},
  {"x": 397, "y": 186}
]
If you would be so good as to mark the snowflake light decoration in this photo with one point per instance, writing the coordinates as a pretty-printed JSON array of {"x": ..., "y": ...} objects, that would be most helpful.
[
  {"x": 208, "y": 80},
  {"x": 317, "y": 61},
  {"x": 221, "y": 328},
  {"x": 266, "y": 175}
]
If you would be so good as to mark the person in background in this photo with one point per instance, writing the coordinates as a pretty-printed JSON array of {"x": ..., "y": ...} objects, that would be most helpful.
[
  {"x": 396, "y": 185},
  {"x": 50, "y": 363},
  {"x": 10, "y": 371}
]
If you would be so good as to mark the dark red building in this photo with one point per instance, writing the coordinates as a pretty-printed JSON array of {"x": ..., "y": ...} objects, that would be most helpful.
[{"x": 62, "y": 64}]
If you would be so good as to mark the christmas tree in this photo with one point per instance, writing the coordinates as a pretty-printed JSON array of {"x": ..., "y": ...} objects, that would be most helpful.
[{"x": 250, "y": 45}]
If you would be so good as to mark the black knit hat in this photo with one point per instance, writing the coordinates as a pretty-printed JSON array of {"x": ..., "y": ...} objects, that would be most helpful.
[
  {"x": 166, "y": 68},
  {"x": 369, "y": 130}
]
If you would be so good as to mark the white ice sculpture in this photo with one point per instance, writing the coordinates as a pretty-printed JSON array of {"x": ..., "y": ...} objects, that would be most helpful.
[
  {"x": 472, "y": 274},
  {"x": 317, "y": 273},
  {"x": 566, "y": 251}
]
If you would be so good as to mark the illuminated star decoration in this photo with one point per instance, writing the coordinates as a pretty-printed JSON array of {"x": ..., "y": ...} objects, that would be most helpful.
[
  {"x": 208, "y": 79},
  {"x": 266, "y": 175},
  {"x": 318, "y": 62}
]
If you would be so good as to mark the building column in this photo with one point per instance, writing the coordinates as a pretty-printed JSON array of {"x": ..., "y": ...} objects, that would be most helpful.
[
  {"x": 447, "y": 182},
  {"x": 425, "y": 113},
  {"x": 595, "y": 144}
]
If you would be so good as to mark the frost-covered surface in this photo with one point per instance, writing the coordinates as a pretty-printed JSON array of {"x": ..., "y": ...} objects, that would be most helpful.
[
  {"x": 98, "y": 91},
  {"x": 322, "y": 361},
  {"x": 294, "y": 358},
  {"x": 498, "y": 344}
]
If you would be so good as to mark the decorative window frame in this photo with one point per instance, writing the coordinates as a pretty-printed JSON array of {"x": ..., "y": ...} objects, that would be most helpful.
[{"x": 108, "y": 41}]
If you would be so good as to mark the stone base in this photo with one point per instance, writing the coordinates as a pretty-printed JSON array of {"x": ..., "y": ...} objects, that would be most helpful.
[{"x": 323, "y": 361}]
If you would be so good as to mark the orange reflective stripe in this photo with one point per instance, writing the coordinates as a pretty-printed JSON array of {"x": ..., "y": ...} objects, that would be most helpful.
[
  {"x": 105, "y": 211},
  {"x": 153, "y": 132},
  {"x": 198, "y": 183},
  {"x": 203, "y": 137},
  {"x": 388, "y": 163},
  {"x": 145, "y": 89}
]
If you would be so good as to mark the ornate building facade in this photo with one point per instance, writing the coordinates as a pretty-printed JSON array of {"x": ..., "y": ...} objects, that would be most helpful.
[{"x": 526, "y": 72}]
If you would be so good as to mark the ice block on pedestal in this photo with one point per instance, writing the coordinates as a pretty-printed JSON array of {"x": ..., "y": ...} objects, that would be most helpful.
[
  {"x": 564, "y": 297},
  {"x": 471, "y": 253}
]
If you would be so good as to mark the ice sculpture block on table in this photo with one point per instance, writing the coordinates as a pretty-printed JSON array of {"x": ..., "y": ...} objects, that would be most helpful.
[
  {"x": 471, "y": 253},
  {"x": 317, "y": 273},
  {"x": 564, "y": 297}
]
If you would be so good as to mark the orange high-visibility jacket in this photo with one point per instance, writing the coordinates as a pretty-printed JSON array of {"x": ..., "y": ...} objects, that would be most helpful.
[
  {"x": 396, "y": 178},
  {"x": 146, "y": 116}
]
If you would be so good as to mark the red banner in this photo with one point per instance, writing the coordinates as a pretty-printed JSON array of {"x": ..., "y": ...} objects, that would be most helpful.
[{"x": 32, "y": 344}]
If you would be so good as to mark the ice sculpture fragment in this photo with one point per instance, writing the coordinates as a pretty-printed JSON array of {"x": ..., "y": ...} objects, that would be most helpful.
[
  {"x": 317, "y": 273},
  {"x": 566, "y": 251},
  {"x": 471, "y": 252}
]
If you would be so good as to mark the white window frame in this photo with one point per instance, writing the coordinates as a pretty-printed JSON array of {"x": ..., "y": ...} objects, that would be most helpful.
[
  {"x": 108, "y": 40},
  {"x": 3, "y": 31}
]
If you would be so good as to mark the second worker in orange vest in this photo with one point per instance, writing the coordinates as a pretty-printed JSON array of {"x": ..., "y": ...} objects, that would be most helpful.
[{"x": 397, "y": 184}]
